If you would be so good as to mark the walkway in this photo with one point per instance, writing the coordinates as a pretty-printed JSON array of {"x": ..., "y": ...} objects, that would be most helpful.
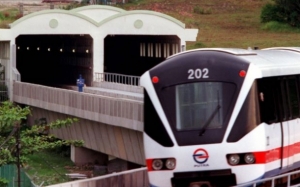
[{"x": 111, "y": 121}]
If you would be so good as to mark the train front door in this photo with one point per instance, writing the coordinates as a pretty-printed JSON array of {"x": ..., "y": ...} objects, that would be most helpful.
[
  {"x": 288, "y": 143},
  {"x": 279, "y": 107}
]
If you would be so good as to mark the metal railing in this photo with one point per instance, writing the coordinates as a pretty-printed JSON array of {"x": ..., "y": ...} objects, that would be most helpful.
[
  {"x": 286, "y": 178},
  {"x": 9, "y": 172},
  {"x": 117, "y": 78},
  {"x": 3, "y": 91},
  {"x": 16, "y": 74},
  {"x": 110, "y": 110},
  {"x": 132, "y": 178}
]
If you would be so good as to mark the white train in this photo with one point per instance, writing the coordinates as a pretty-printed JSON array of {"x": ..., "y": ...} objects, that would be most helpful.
[{"x": 222, "y": 117}]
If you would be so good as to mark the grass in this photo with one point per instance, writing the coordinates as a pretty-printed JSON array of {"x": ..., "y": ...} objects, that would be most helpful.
[
  {"x": 8, "y": 15},
  {"x": 47, "y": 168},
  {"x": 279, "y": 27},
  {"x": 226, "y": 23}
]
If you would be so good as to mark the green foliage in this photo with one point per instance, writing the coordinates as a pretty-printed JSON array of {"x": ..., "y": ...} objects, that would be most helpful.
[
  {"x": 32, "y": 138},
  {"x": 294, "y": 18},
  {"x": 196, "y": 45},
  {"x": 11, "y": 115},
  {"x": 75, "y": 5},
  {"x": 36, "y": 138},
  {"x": 1, "y": 16},
  {"x": 286, "y": 11},
  {"x": 3, "y": 182},
  {"x": 48, "y": 167},
  {"x": 279, "y": 27},
  {"x": 9, "y": 14},
  {"x": 271, "y": 12},
  {"x": 199, "y": 45},
  {"x": 6, "y": 157},
  {"x": 199, "y": 10}
]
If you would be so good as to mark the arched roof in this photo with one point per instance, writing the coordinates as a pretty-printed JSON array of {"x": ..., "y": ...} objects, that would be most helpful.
[
  {"x": 119, "y": 13},
  {"x": 55, "y": 11},
  {"x": 144, "y": 12}
]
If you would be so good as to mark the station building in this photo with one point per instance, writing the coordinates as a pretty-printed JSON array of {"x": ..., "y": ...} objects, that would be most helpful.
[{"x": 54, "y": 47}]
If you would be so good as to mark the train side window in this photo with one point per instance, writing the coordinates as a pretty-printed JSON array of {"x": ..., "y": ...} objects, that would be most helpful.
[
  {"x": 285, "y": 101},
  {"x": 279, "y": 100},
  {"x": 267, "y": 100},
  {"x": 153, "y": 126},
  {"x": 249, "y": 116},
  {"x": 293, "y": 96}
]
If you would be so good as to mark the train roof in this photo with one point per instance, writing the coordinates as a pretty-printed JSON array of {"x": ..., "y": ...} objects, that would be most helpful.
[{"x": 267, "y": 62}]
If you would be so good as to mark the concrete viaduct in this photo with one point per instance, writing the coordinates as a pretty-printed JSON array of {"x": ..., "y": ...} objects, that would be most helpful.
[{"x": 44, "y": 53}]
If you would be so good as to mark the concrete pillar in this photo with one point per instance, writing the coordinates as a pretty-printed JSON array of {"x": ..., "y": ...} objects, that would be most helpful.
[
  {"x": 117, "y": 165},
  {"x": 82, "y": 155},
  {"x": 98, "y": 53}
]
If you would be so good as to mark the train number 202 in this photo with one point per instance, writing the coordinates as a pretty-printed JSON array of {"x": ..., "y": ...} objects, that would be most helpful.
[{"x": 198, "y": 73}]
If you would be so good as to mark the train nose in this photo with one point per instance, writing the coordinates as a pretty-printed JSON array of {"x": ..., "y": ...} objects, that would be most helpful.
[{"x": 200, "y": 184}]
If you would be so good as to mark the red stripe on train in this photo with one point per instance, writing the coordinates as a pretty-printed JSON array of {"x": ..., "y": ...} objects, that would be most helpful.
[
  {"x": 276, "y": 154},
  {"x": 262, "y": 157}
]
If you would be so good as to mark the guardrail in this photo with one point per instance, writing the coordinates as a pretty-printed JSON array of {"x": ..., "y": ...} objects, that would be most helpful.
[
  {"x": 286, "y": 179},
  {"x": 16, "y": 74},
  {"x": 9, "y": 172},
  {"x": 110, "y": 110},
  {"x": 3, "y": 90},
  {"x": 131, "y": 178},
  {"x": 117, "y": 78},
  {"x": 119, "y": 121}
]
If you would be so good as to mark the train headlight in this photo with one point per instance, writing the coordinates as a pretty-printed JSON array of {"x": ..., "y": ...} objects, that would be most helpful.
[
  {"x": 249, "y": 158},
  {"x": 233, "y": 159},
  {"x": 170, "y": 163},
  {"x": 157, "y": 164}
]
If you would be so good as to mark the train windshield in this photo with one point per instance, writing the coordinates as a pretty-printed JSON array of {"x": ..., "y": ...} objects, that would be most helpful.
[
  {"x": 198, "y": 112},
  {"x": 202, "y": 105}
]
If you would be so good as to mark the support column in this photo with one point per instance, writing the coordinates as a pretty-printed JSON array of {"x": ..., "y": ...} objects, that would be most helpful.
[
  {"x": 81, "y": 156},
  {"x": 98, "y": 53}
]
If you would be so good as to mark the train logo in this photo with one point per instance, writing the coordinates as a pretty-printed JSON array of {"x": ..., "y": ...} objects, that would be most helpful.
[{"x": 200, "y": 156}]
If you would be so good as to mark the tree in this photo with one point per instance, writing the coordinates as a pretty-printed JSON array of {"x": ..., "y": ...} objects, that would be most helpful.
[
  {"x": 286, "y": 11},
  {"x": 32, "y": 138}
]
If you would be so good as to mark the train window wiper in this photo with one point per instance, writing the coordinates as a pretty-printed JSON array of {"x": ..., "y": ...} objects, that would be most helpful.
[
  {"x": 202, "y": 131},
  {"x": 211, "y": 117}
]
